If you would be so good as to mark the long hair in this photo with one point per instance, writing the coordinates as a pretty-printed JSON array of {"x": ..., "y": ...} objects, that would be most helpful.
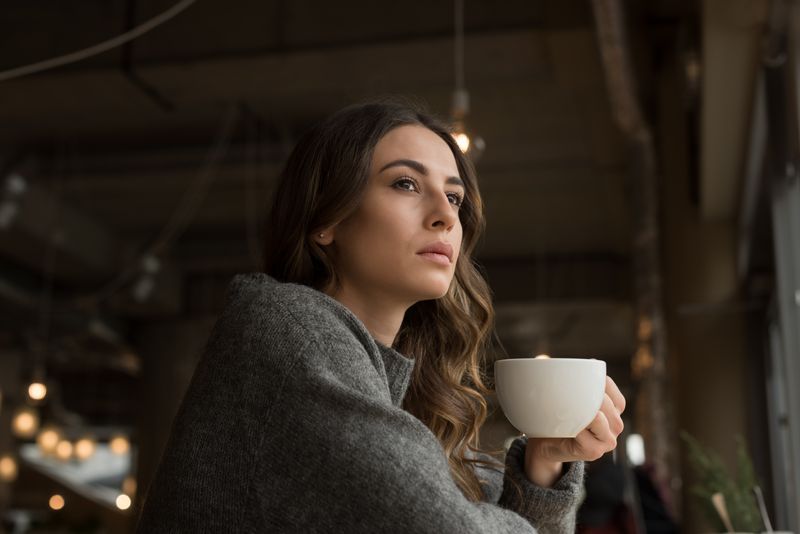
[{"x": 322, "y": 184}]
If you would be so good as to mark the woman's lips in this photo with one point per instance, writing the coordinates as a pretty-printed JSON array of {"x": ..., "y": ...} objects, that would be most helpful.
[{"x": 438, "y": 258}]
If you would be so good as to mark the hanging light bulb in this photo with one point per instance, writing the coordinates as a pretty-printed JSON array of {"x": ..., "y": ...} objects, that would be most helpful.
[
  {"x": 463, "y": 141},
  {"x": 48, "y": 440},
  {"x": 472, "y": 145},
  {"x": 37, "y": 391},
  {"x": 8, "y": 468},
  {"x": 461, "y": 137},
  {"x": 25, "y": 422}
]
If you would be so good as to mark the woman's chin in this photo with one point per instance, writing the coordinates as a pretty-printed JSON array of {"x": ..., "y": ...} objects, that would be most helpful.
[{"x": 435, "y": 289}]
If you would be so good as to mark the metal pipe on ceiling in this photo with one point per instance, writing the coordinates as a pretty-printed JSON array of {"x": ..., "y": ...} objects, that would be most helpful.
[{"x": 649, "y": 364}]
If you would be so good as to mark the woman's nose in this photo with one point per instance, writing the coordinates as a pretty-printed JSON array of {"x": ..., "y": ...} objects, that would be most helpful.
[{"x": 443, "y": 212}]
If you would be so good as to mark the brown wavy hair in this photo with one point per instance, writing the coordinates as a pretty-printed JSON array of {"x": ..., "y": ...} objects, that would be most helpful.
[{"x": 322, "y": 184}]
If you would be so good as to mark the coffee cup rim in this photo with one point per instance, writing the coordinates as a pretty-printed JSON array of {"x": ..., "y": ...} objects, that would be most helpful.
[{"x": 550, "y": 360}]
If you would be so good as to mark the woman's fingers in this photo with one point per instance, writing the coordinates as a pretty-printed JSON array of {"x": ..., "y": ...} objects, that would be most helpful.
[
  {"x": 615, "y": 394},
  {"x": 596, "y": 440},
  {"x": 612, "y": 414}
]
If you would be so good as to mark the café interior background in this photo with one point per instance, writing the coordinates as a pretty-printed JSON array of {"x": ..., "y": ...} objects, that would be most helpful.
[{"x": 638, "y": 161}]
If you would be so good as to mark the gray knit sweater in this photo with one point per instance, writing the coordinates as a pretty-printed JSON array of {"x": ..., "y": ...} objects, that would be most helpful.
[{"x": 293, "y": 423}]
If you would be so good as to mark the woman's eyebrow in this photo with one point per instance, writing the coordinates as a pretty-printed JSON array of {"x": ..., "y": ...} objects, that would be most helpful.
[{"x": 420, "y": 168}]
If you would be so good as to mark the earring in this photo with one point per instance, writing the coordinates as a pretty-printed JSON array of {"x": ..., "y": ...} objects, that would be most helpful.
[{"x": 322, "y": 235}]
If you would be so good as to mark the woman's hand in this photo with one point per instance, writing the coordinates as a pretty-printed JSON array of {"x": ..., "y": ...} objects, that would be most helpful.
[{"x": 544, "y": 456}]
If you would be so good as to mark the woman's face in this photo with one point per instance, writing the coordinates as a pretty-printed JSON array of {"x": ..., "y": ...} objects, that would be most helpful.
[{"x": 411, "y": 202}]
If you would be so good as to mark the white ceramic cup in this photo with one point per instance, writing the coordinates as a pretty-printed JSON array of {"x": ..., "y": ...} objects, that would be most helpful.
[{"x": 550, "y": 397}]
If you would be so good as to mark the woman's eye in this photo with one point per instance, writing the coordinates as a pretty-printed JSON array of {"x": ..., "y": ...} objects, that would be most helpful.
[
  {"x": 458, "y": 199},
  {"x": 406, "y": 181}
]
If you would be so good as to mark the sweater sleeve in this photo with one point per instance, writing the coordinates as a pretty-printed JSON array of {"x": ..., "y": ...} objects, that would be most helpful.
[
  {"x": 337, "y": 455},
  {"x": 550, "y": 510}
]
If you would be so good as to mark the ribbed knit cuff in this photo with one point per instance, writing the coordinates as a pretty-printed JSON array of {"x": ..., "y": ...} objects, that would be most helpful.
[{"x": 549, "y": 510}]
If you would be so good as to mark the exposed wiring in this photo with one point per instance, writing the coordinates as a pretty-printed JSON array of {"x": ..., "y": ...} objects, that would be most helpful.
[
  {"x": 195, "y": 197},
  {"x": 458, "y": 49},
  {"x": 127, "y": 66},
  {"x": 48, "y": 268},
  {"x": 179, "y": 220},
  {"x": 99, "y": 48}
]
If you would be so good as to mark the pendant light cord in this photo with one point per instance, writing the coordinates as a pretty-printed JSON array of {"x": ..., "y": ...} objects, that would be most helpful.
[{"x": 459, "y": 44}]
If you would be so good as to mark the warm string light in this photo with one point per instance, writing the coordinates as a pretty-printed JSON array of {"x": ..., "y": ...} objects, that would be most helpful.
[
  {"x": 64, "y": 450},
  {"x": 52, "y": 442},
  {"x": 123, "y": 502},
  {"x": 25, "y": 422},
  {"x": 37, "y": 391},
  {"x": 643, "y": 360},
  {"x": 56, "y": 502},
  {"x": 48, "y": 440},
  {"x": 8, "y": 468},
  {"x": 119, "y": 444},
  {"x": 85, "y": 448},
  {"x": 129, "y": 486}
]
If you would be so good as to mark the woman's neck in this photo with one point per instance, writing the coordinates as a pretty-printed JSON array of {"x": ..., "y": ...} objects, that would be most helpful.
[{"x": 381, "y": 317}]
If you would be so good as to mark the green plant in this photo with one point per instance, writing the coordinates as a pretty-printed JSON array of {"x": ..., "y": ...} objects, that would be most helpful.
[{"x": 714, "y": 477}]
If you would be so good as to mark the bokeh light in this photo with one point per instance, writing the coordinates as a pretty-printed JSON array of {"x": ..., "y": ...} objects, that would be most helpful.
[
  {"x": 25, "y": 423},
  {"x": 123, "y": 502},
  {"x": 8, "y": 468},
  {"x": 48, "y": 439},
  {"x": 64, "y": 450},
  {"x": 37, "y": 391},
  {"x": 56, "y": 502},
  {"x": 119, "y": 444},
  {"x": 84, "y": 448}
]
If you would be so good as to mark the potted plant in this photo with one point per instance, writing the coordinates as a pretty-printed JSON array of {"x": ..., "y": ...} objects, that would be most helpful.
[{"x": 714, "y": 478}]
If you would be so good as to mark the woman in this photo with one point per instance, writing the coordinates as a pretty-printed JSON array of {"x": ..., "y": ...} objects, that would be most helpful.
[{"x": 341, "y": 390}]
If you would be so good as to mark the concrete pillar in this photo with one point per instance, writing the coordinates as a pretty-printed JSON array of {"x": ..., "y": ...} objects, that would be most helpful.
[
  {"x": 707, "y": 340},
  {"x": 10, "y": 388}
]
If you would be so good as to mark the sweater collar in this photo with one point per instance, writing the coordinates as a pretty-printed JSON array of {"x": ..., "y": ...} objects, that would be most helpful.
[
  {"x": 397, "y": 366},
  {"x": 398, "y": 371}
]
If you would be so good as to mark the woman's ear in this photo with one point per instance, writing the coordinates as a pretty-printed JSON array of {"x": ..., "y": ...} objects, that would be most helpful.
[{"x": 324, "y": 237}]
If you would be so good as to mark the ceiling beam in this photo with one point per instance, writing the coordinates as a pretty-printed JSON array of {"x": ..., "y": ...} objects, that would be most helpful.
[
  {"x": 82, "y": 246},
  {"x": 307, "y": 84},
  {"x": 732, "y": 34}
]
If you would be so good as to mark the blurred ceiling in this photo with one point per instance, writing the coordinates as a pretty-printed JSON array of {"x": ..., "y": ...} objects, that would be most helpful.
[{"x": 116, "y": 149}]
